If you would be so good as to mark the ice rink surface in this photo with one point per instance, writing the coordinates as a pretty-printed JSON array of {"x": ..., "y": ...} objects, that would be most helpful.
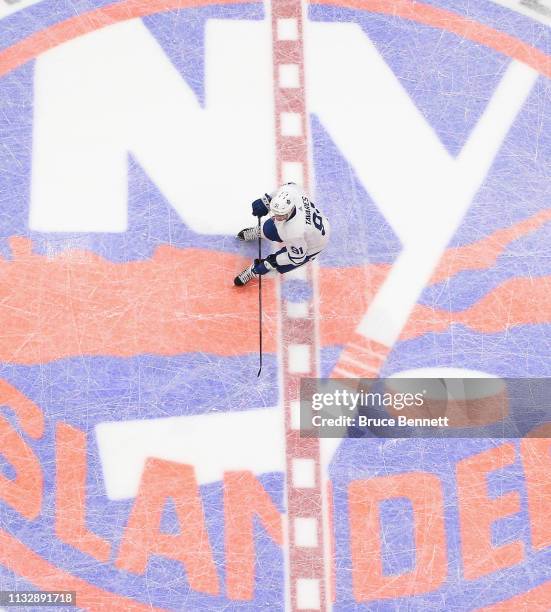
[{"x": 142, "y": 462}]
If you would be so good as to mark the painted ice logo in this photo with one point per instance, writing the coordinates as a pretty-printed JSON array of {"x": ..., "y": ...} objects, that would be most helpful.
[{"x": 130, "y": 155}]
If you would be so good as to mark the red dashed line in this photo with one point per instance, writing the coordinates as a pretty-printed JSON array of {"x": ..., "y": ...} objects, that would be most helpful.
[{"x": 299, "y": 343}]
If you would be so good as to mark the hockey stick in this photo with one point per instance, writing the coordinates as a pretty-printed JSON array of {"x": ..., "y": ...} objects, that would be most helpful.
[{"x": 259, "y": 302}]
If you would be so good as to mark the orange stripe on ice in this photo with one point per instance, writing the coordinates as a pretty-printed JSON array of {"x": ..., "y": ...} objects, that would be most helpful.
[
  {"x": 346, "y": 293},
  {"x": 31, "y": 567},
  {"x": 179, "y": 301},
  {"x": 483, "y": 254},
  {"x": 183, "y": 300},
  {"x": 456, "y": 24},
  {"x": 32, "y": 46},
  {"x": 78, "y": 303},
  {"x": 519, "y": 301}
]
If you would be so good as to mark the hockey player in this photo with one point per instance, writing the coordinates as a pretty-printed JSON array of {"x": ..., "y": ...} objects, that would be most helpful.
[{"x": 295, "y": 223}]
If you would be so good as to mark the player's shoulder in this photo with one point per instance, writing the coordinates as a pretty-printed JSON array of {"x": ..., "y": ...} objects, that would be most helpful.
[{"x": 293, "y": 228}]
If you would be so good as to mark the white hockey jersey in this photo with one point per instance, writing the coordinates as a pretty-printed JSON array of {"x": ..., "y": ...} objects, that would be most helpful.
[{"x": 305, "y": 234}]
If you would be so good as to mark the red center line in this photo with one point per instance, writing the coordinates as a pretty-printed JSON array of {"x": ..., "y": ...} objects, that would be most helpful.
[
  {"x": 299, "y": 348},
  {"x": 297, "y": 331}
]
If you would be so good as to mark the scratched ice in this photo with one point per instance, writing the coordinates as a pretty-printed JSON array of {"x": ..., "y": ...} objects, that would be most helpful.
[{"x": 142, "y": 462}]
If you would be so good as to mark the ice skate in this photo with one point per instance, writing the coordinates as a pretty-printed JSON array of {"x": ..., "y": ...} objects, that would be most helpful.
[
  {"x": 245, "y": 276},
  {"x": 250, "y": 233}
]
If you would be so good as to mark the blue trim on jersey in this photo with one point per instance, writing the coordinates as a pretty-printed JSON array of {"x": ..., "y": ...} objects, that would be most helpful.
[
  {"x": 270, "y": 231},
  {"x": 289, "y": 267},
  {"x": 299, "y": 259}
]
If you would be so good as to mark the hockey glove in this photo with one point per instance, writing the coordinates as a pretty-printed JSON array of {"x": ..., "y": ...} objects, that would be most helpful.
[
  {"x": 263, "y": 266},
  {"x": 260, "y": 206}
]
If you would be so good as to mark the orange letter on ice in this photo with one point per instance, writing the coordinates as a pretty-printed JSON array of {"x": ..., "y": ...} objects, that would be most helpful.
[
  {"x": 70, "y": 516},
  {"x": 142, "y": 537},
  {"x": 536, "y": 459},
  {"x": 245, "y": 498},
  {"x": 477, "y": 513},
  {"x": 24, "y": 494},
  {"x": 424, "y": 491}
]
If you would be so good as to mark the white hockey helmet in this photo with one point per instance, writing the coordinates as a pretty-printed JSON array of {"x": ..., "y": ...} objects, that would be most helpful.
[{"x": 283, "y": 203}]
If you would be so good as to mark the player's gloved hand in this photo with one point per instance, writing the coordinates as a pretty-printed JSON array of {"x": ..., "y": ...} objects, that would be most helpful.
[
  {"x": 261, "y": 206},
  {"x": 263, "y": 266}
]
